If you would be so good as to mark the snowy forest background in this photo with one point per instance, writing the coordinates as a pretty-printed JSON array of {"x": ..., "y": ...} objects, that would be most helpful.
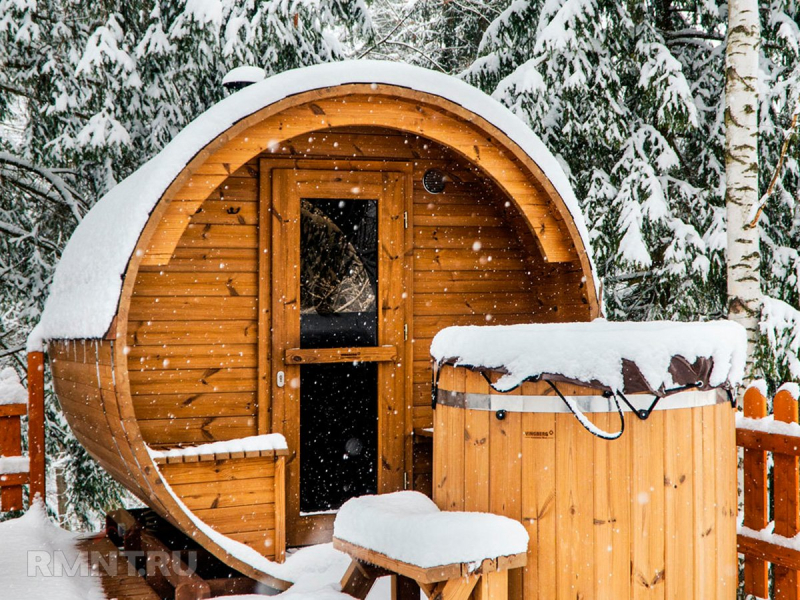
[{"x": 629, "y": 95}]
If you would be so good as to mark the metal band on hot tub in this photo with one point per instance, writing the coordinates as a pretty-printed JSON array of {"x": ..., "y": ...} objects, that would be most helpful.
[{"x": 587, "y": 404}]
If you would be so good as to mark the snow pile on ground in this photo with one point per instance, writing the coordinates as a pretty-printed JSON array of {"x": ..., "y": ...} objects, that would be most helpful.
[
  {"x": 87, "y": 283},
  {"x": 33, "y": 552},
  {"x": 409, "y": 527},
  {"x": 39, "y": 561},
  {"x": 253, "y": 443},
  {"x": 11, "y": 390},
  {"x": 594, "y": 352}
]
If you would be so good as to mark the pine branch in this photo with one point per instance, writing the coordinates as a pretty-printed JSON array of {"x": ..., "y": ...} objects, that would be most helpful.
[
  {"x": 692, "y": 33},
  {"x": 418, "y": 51},
  {"x": 778, "y": 168},
  {"x": 11, "y": 351},
  {"x": 377, "y": 44},
  {"x": 19, "y": 233},
  {"x": 74, "y": 203}
]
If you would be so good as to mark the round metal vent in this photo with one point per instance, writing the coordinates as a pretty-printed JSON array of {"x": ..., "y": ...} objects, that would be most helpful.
[{"x": 434, "y": 181}]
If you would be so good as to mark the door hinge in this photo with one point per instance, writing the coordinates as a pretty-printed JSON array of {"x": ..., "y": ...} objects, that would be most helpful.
[
  {"x": 405, "y": 332},
  {"x": 405, "y": 219},
  {"x": 405, "y": 481}
]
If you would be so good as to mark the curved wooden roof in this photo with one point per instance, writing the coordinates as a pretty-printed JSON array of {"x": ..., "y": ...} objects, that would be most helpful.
[{"x": 85, "y": 293}]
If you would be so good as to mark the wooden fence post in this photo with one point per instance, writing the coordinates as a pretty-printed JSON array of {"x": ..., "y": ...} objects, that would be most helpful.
[
  {"x": 786, "y": 493},
  {"x": 756, "y": 580},
  {"x": 36, "y": 450}
]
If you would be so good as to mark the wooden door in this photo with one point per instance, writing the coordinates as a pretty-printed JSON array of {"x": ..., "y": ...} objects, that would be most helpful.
[{"x": 338, "y": 316}]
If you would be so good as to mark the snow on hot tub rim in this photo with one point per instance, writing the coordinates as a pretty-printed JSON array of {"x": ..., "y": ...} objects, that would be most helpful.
[
  {"x": 86, "y": 287},
  {"x": 593, "y": 352}
]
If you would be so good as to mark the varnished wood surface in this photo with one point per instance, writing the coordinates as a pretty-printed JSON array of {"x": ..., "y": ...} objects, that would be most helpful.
[
  {"x": 649, "y": 515},
  {"x": 236, "y": 496},
  {"x": 340, "y": 355},
  {"x": 430, "y": 574},
  {"x": 187, "y": 365},
  {"x": 516, "y": 172},
  {"x": 105, "y": 424}
]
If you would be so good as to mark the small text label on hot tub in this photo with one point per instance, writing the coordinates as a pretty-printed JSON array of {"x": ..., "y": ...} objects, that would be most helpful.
[{"x": 539, "y": 435}]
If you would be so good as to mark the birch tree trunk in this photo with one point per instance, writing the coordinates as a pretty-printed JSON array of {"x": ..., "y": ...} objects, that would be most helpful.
[{"x": 741, "y": 168}]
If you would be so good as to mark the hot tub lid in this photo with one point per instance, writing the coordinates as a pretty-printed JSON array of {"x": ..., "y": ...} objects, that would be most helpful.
[{"x": 659, "y": 357}]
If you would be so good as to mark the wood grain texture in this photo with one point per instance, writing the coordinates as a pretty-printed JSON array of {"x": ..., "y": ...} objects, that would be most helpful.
[
  {"x": 756, "y": 574},
  {"x": 648, "y": 515},
  {"x": 786, "y": 491},
  {"x": 199, "y": 277}
]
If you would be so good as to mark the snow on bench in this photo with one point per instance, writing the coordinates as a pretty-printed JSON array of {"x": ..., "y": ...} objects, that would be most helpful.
[
  {"x": 272, "y": 444},
  {"x": 447, "y": 554},
  {"x": 409, "y": 527},
  {"x": 14, "y": 465}
]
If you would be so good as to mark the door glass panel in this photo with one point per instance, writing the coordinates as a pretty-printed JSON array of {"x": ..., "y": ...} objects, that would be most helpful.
[
  {"x": 338, "y": 273},
  {"x": 338, "y": 308},
  {"x": 338, "y": 434}
]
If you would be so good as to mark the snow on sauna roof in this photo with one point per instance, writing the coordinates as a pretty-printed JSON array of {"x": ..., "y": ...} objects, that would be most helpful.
[
  {"x": 87, "y": 284},
  {"x": 627, "y": 357}
]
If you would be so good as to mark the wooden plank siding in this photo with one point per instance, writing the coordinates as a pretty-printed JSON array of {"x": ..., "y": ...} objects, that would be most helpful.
[
  {"x": 235, "y": 496},
  {"x": 193, "y": 322},
  {"x": 181, "y": 364},
  {"x": 649, "y": 515}
]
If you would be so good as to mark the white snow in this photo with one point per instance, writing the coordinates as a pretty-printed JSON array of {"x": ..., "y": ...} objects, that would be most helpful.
[
  {"x": 33, "y": 552},
  {"x": 244, "y": 75},
  {"x": 14, "y": 464},
  {"x": 768, "y": 425},
  {"x": 792, "y": 388},
  {"x": 315, "y": 571},
  {"x": 253, "y": 443},
  {"x": 86, "y": 285},
  {"x": 38, "y": 560},
  {"x": 760, "y": 385},
  {"x": 11, "y": 390},
  {"x": 768, "y": 535},
  {"x": 594, "y": 351},
  {"x": 409, "y": 527}
]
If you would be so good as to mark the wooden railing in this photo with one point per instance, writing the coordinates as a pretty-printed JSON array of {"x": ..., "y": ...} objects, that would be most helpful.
[
  {"x": 14, "y": 473},
  {"x": 760, "y": 549}
]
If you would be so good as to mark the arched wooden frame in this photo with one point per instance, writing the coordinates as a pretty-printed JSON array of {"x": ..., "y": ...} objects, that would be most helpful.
[{"x": 391, "y": 107}]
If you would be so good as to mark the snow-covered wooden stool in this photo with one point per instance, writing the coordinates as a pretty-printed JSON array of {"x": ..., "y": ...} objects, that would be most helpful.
[{"x": 448, "y": 554}]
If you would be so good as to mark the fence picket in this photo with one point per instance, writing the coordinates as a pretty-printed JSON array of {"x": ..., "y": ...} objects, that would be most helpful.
[
  {"x": 756, "y": 576},
  {"x": 786, "y": 485}
]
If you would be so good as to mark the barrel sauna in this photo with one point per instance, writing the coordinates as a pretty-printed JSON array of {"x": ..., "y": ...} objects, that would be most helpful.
[
  {"x": 180, "y": 314},
  {"x": 650, "y": 514}
]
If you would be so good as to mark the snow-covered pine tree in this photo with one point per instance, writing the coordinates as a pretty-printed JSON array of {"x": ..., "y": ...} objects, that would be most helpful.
[
  {"x": 631, "y": 99},
  {"x": 96, "y": 88},
  {"x": 437, "y": 35}
]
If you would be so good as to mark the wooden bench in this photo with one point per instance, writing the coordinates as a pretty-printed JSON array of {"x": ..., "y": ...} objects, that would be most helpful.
[
  {"x": 457, "y": 581},
  {"x": 237, "y": 487}
]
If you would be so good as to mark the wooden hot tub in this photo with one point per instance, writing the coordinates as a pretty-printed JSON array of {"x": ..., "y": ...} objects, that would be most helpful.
[{"x": 649, "y": 514}]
